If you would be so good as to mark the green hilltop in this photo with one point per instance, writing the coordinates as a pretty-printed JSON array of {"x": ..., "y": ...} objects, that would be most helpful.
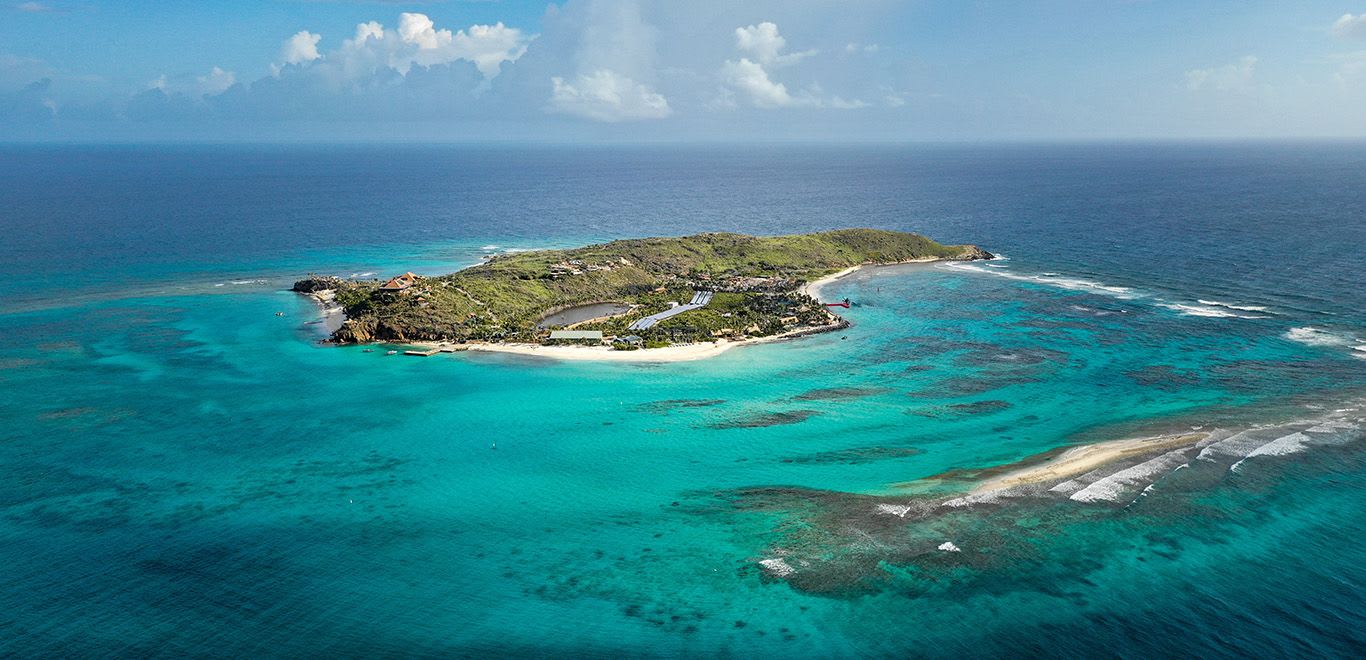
[{"x": 757, "y": 278}]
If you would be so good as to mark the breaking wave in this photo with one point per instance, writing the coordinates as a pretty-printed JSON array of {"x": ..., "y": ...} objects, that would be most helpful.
[
  {"x": 1245, "y": 308},
  {"x": 1211, "y": 311},
  {"x": 1312, "y": 336},
  {"x": 1139, "y": 477},
  {"x": 1054, "y": 280},
  {"x": 1202, "y": 308}
]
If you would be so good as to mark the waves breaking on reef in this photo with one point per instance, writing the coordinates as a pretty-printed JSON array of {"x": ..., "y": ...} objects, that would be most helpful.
[
  {"x": 857, "y": 542},
  {"x": 1201, "y": 307}
]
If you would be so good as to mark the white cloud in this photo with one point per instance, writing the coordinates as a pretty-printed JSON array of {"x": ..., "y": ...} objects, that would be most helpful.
[
  {"x": 1234, "y": 77},
  {"x": 754, "y": 78},
  {"x": 855, "y": 47},
  {"x": 418, "y": 41},
  {"x": 33, "y": 8},
  {"x": 766, "y": 44},
  {"x": 1350, "y": 27},
  {"x": 300, "y": 48},
  {"x": 418, "y": 29},
  {"x": 366, "y": 31},
  {"x": 488, "y": 46},
  {"x": 213, "y": 83},
  {"x": 216, "y": 81},
  {"x": 751, "y": 78},
  {"x": 605, "y": 95}
]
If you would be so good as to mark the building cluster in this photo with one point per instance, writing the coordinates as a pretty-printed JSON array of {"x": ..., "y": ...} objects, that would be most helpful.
[{"x": 571, "y": 267}]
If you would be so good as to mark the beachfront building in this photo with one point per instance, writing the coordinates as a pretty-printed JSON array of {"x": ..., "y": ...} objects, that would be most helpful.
[
  {"x": 593, "y": 337},
  {"x": 630, "y": 340}
]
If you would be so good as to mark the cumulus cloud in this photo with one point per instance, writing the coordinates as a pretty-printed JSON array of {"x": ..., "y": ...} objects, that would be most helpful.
[
  {"x": 611, "y": 69},
  {"x": 488, "y": 46},
  {"x": 1350, "y": 27},
  {"x": 605, "y": 95},
  {"x": 417, "y": 41},
  {"x": 1234, "y": 77},
  {"x": 766, "y": 45},
  {"x": 300, "y": 48},
  {"x": 753, "y": 79}
]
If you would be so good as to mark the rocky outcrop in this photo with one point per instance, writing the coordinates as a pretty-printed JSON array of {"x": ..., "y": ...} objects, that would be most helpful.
[
  {"x": 356, "y": 331},
  {"x": 314, "y": 284},
  {"x": 973, "y": 253}
]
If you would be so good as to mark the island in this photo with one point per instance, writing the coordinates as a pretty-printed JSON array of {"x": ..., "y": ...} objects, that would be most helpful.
[{"x": 713, "y": 289}]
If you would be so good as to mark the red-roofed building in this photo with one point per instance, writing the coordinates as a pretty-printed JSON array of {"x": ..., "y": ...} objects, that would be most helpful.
[{"x": 400, "y": 283}]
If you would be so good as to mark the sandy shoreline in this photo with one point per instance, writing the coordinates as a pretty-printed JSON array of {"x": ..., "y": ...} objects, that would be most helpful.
[
  {"x": 1083, "y": 459},
  {"x": 814, "y": 287},
  {"x": 679, "y": 353}
]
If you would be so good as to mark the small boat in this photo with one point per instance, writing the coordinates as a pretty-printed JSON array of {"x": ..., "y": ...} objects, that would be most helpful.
[
  {"x": 368, "y": 350},
  {"x": 392, "y": 353}
]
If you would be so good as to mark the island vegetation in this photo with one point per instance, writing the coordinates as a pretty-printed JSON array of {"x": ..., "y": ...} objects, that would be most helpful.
[{"x": 754, "y": 288}]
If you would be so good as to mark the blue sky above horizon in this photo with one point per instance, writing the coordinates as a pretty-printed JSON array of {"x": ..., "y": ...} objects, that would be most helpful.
[{"x": 590, "y": 70}]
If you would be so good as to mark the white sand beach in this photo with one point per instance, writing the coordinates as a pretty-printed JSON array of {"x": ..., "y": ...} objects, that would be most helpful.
[
  {"x": 1079, "y": 460},
  {"x": 677, "y": 353},
  {"x": 814, "y": 287}
]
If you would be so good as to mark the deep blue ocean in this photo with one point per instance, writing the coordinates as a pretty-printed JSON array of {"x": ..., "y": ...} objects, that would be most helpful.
[{"x": 183, "y": 472}]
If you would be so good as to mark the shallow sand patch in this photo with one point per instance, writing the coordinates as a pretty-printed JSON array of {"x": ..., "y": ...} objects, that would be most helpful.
[{"x": 1079, "y": 460}]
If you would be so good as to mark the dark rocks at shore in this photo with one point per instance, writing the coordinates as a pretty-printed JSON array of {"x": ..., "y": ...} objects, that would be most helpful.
[
  {"x": 973, "y": 253},
  {"x": 314, "y": 284}
]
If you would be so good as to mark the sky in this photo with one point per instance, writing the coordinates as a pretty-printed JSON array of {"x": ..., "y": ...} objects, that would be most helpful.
[{"x": 695, "y": 70}]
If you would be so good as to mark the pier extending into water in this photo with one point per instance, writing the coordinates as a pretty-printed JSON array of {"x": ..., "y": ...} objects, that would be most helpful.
[{"x": 699, "y": 300}]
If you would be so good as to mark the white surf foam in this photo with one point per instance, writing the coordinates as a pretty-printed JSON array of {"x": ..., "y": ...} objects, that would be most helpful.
[
  {"x": 1312, "y": 336},
  {"x": 1234, "y": 446},
  {"x": 1245, "y": 308},
  {"x": 489, "y": 248},
  {"x": 1209, "y": 311},
  {"x": 1113, "y": 487},
  {"x": 777, "y": 566},
  {"x": 898, "y": 510},
  {"x": 1054, "y": 280},
  {"x": 987, "y": 497}
]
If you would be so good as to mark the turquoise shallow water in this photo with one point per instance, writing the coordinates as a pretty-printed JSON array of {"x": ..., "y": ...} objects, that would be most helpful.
[{"x": 184, "y": 472}]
